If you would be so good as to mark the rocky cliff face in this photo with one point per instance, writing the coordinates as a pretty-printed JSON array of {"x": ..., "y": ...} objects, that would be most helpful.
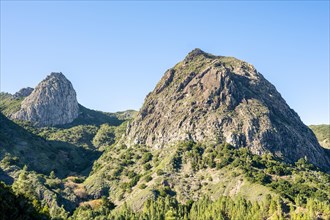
[
  {"x": 23, "y": 92},
  {"x": 214, "y": 99},
  {"x": 52, "y": 102}
]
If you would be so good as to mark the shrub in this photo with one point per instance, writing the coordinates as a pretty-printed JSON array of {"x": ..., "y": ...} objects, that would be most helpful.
[
  {"x": 117, "y": 171},
  {"x": 147, "y": 178},
  {"x": 160, "y": 172},
  {"x": 166, "y": 190},
  {"x": 147, "y": 166},
  {"x": 146, "y": 157},
  {"x": 131, "y": 174},
  {"x": 9, "y": 160},
  {"x": 134, "y": 181},
  {"x": 53, "y": 183}
]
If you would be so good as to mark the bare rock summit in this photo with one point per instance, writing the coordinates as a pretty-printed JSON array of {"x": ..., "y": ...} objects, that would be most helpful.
[
  {"x": 216, "y": 99},
  {"x": 52, "y": 102}
]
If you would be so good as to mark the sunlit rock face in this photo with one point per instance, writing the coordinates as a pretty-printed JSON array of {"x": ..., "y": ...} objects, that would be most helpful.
[
  {"x": 214, "y": 99},
  {"x": 52, "y": 102}
]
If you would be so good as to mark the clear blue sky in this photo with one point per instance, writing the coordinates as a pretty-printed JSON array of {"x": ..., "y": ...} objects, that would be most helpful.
[{"x": 114, "y": 53}]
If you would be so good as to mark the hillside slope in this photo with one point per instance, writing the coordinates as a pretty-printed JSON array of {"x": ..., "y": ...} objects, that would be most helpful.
[
  {"x": 23, "y": 147},
  {"x": 322, "y": 133}
]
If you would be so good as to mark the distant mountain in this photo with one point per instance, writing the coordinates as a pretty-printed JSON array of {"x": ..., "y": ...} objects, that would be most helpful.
[
  {"x": 322, "y": 133},
  {"x": 216, "y": 99},
  {"x": 66, "y": 145},
  {"x": 22, "y": 93},
  {"x": 52, "y": 102}
]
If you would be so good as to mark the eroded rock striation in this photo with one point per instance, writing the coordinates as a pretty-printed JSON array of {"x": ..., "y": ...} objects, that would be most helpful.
[
  {"x": 214, "y": 99},
  {"x": 52, "y": 102}
]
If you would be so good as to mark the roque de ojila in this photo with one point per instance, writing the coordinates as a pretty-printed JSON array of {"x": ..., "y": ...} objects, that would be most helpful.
[{"x": 213, "y": 140}]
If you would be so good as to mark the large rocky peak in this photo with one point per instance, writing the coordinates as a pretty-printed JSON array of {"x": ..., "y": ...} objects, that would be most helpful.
[
  {"x": 52, "y": 102},
  {"x": 214, "y": 99}
]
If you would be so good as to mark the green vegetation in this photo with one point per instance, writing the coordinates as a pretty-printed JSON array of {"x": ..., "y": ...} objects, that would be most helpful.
[
  {"x": 9, "y": 104},
  {"x": 322, "y": 133},
  {"x": 92, "y": 117},
  {"x": 14, "y": 206},
  {"x": 300, "y": 181},
  {"x": 108, "y": 135},
  {"x": 223, "y": 208},
  {"x": 25, "y": 146},
  {"x": 182, "y": 172},
  {"x": 81, "y": 135},
  {"x": 105, "y": 136},
  {"x": 146, "y": 157},
  {"x": 296, "y": 191}
]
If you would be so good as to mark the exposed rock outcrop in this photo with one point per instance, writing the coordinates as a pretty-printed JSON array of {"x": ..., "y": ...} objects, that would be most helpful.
[
  {"x": 212, "y": 99},
  {"x": 23, "y": 92},
  {"x": 52, "y": 102}
]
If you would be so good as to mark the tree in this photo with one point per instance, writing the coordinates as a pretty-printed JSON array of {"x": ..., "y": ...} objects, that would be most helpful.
[
  {"x": 146, "y": 157},
  {"x": 147, "y": 166},
  {"x": 22, "y": 185},
  {"x": 52, "y": 175},
  {"x": 57, "y": 212},
  {"x": 170, "y": 215}
]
